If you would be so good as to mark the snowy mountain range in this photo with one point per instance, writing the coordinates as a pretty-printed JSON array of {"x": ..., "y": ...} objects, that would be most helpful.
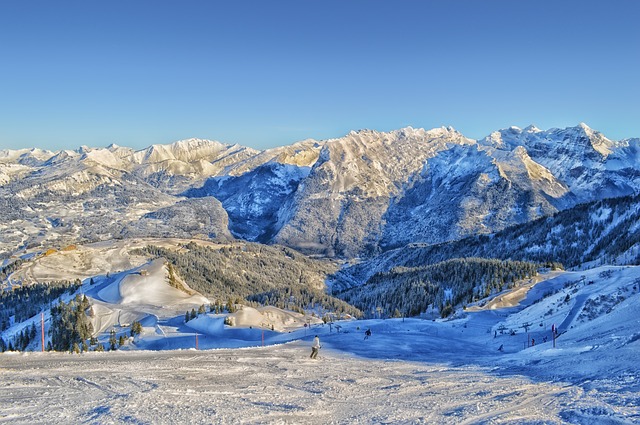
[
  {"x": 349, "y": 197},
  {"x": 517, "y": 341}
]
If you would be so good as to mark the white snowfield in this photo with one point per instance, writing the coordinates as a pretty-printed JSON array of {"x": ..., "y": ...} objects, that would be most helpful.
[
  {"x": 494, "y": 363},
  {"x": 277, "y": 384}
]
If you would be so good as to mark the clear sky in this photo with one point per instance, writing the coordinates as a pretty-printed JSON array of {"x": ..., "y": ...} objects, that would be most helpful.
[{"x": 269, "y": 73}]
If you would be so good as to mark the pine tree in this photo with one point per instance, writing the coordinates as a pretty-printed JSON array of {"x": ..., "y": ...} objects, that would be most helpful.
[
  {"x": 112, "y": 340},
  {"x": 136, "y": 328},
  {"x": 69, "y": 323}
]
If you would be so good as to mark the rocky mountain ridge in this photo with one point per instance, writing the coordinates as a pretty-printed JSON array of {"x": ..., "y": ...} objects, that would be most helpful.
[{"x": 349, "y": 197}]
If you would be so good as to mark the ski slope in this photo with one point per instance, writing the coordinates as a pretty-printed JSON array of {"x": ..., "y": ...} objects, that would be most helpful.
[
  {"x": 279, "y": 384},
  {"x": 477, "y": 367}
]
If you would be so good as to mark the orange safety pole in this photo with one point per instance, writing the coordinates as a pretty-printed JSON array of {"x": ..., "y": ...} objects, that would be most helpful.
[{"x": 42, "y": 326}]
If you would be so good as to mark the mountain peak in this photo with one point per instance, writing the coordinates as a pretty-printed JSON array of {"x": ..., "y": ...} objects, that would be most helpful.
[
  {"x": 531, "y": 129},
  {"x": 195, "y": 143},
  {"x": 584, "y": 126},
  {"x": 442, "y": 130}
]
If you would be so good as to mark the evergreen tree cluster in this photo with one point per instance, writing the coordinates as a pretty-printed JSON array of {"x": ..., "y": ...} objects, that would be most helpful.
[
  {"x": 299, "y": 298},
  {"x": 9, "y": 268},
  {"x": 21, "y": 340},
  {"x": 70, "y": 325},
  {"x": 255, "y": 273},
  {"x": 27, "y": 301},
  {"x": 411, "y": 290}
]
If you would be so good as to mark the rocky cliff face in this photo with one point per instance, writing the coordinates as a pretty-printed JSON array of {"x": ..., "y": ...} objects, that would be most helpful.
[
  {"x": 349, "y": 197},
  {"x": 338, "y": 208},
  {"x": 582, "y": 158}
]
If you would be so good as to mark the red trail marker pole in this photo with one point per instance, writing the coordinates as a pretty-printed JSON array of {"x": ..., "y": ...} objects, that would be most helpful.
[{"x": 42, "y": 329}]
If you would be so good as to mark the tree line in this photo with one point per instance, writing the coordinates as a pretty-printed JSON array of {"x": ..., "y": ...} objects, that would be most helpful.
[
  {"x": 409, "y": 291},
  {"x": 26, "y": 301},
  {"x": 254, "y": 273}
]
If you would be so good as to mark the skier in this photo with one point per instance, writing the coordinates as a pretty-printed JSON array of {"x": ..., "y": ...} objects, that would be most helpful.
[
  {"x": 315, "y": 347},
  {"x": 367, "y": 333}
]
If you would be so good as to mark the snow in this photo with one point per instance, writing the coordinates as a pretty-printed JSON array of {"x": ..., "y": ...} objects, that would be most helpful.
[
  {"x": 277, "y": 384},
  {"x": 408, "y": 371},
  {"x": 209, "y": 325},
  {"x": 103, "y": 157},
  {"x": 546, "y": 171},
  {"x": 148, "y": 288}
]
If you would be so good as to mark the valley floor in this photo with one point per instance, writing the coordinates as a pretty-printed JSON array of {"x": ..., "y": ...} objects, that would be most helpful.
[{"x": 277, "y": 384}]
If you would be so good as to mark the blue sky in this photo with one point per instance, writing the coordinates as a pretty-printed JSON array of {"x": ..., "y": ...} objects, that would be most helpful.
[{"x": 269, "y": 73}]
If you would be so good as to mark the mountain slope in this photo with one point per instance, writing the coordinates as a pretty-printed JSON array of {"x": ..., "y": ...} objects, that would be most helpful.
[
  {"x": 604, "y": 231},
  {"x": 182, "y": 164},
  {"x": 338, "y": 208},
  {"x": 579, "y": 156},
  {"x": 348, "y": 197},
  {"x": 471, "y": 190},
  {"x": 98, "y": 194}
]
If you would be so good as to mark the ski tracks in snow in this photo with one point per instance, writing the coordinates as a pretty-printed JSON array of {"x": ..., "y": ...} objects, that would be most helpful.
[{"x": 277, "y": 384}]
